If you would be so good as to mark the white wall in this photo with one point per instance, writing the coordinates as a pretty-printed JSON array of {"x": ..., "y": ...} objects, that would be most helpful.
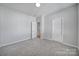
[
  {"x": 69, "y": 23},
  {"x": 14, "y": 25},
  {"x": 78, "y": 26}
]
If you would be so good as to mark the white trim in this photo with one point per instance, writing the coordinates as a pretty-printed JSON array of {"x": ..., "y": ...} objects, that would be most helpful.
[
  {"x": 46, "y": 39},
  {"x": 66, "y": 44},
  {"x": 14, "y": 42}
]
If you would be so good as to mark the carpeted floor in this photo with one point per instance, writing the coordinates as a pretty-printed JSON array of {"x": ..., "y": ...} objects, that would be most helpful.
[{"x": 38, "y": 47}]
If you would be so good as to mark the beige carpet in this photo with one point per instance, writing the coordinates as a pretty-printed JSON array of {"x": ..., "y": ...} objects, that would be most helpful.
[{"x": 37, "y": 47}]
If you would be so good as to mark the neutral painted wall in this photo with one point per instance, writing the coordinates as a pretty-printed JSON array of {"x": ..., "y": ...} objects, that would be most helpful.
[
  {"x": 69, "y": 25},
  {"x": 78, "y": 26},
  {"x": 14, "y": 25}
]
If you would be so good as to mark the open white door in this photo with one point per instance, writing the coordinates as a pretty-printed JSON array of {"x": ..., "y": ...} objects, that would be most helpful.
[
  {"x": 57, "y": 29},
  {"x": 33, "y": 29}
]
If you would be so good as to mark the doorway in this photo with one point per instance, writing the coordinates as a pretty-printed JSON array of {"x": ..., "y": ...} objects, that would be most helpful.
[{"x": 33, "y": 29}]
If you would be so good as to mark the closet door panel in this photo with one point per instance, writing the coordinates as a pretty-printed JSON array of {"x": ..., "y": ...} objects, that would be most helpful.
[
  {"x": 34, "y": 29},
  {"x": 57, "y": 29}
]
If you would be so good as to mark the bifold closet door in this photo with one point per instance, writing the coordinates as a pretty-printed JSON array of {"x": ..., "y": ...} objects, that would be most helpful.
[
  {"x": 33, "y": 29},
  {"x": 57, "y": 29}
]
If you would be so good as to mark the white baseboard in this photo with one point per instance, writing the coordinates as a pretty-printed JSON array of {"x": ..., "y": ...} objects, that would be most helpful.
[
  {"x": 13, "y": 42},
  {"x": 69, "y": 45},
  {"x": 29, "y": 38},
  {"x": 66, "y": 44},
  {"x": 10, "y": 43}
]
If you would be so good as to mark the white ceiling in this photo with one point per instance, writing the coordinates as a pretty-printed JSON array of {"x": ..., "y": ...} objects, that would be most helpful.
[{"x": 31, "y": 9}]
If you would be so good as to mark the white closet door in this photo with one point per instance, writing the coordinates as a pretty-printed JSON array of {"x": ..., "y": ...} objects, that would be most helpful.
[
  {"x": 34, "y": 29},
  {"x": 57, "y": 29}
]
